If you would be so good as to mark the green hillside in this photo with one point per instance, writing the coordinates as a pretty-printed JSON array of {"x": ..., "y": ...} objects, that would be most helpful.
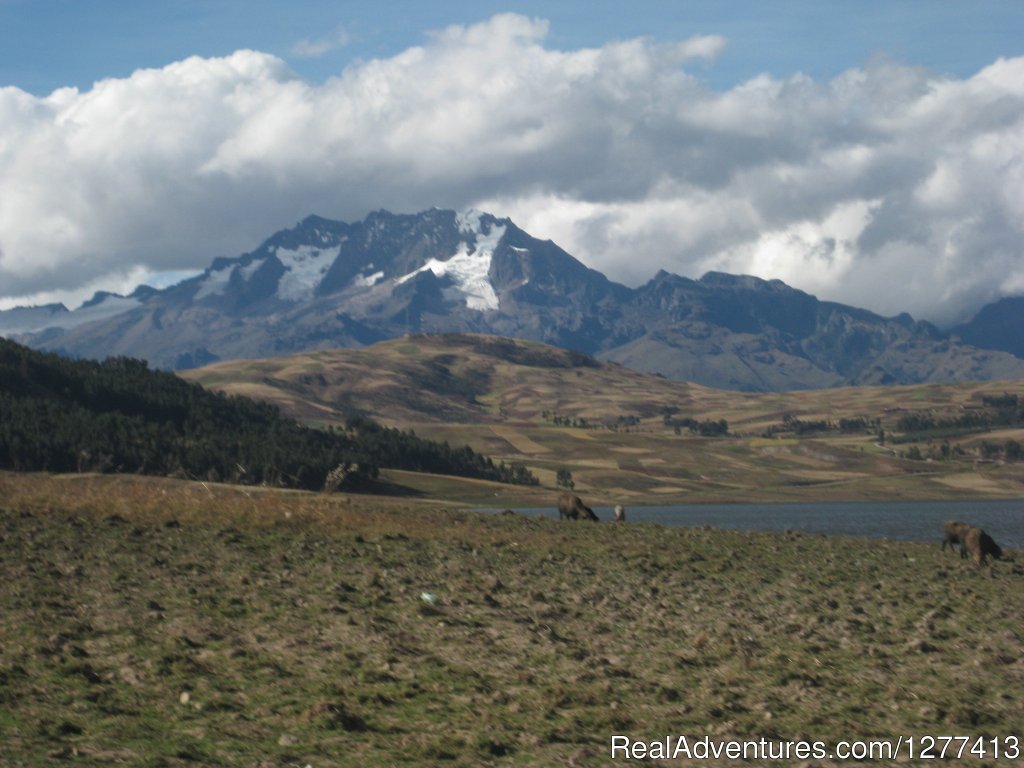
[{"x": 64, "y": 415}]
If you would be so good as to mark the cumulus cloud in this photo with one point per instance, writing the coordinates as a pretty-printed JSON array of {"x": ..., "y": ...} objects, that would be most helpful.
[{"x": 889, "y": 187}]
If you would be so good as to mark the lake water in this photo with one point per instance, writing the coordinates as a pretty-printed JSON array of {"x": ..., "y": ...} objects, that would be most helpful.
[{"x": 899, "y": 520}]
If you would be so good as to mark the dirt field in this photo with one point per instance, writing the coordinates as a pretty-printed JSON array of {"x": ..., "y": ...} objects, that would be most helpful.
[{"x": 150, "y": 622}]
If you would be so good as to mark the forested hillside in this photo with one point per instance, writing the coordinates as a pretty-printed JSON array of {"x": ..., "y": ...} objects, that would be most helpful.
[{"x": 64, "y": 415}]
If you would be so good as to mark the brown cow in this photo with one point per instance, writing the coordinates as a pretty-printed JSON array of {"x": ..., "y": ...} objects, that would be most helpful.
[
  {"x": 980, "y": 545},
  {"x": 954, "y": 532},
  {"x": 571, "y": 507},
  {"x": 620, "y": 514}
]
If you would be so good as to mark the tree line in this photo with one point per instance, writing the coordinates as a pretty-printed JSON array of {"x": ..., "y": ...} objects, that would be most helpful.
[
  {"x": 1004, "y": 415},
  {"x": 64, "y": 415},
  {"x": 794, "y": 425}
]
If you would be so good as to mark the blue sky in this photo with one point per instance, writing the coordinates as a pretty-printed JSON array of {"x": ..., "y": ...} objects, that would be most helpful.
[
  {"x": 48, "y": 44},
  {"x": 870, "y": 152}
]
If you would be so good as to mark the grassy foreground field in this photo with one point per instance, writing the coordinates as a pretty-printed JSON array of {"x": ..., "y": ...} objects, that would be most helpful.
[{"x": 151, "y": 622}]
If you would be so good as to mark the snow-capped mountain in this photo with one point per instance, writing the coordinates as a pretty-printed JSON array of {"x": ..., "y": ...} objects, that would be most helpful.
[
  {"x": 321, "y": 257},
  {"x": 326, "y": 283}
]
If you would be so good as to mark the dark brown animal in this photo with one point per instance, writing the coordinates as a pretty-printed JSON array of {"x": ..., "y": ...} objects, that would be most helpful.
[
  {"x": 980, "y": 545},
  {"x": 571, "y": 507},
  {"x": 953, "y": 534}
]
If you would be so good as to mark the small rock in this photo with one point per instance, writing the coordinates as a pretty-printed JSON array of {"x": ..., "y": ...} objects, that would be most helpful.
[
  {"x": 923, "y": 646},
  {"x": 67, "y": 728}
]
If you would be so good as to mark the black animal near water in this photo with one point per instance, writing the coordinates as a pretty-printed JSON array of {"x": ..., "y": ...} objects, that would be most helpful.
[
  {"x": 954, "y": 532},
  {"x": 571, "y": 507},
  {"x": 979, "y": 545},
  {"x": 974, "y": 542}
]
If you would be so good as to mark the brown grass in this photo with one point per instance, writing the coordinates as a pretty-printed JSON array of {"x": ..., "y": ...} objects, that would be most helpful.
[
  {"x": 498, "y": 408},
  {"x": 156, "y": 622}
]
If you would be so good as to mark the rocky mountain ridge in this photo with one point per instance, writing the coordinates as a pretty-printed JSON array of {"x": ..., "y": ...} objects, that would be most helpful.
[{"x": 326, "y": 283}]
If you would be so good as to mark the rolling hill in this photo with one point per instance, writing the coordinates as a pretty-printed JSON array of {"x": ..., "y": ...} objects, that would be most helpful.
[
  {"x": 639, "y": 437},
  {"x": 63, "y": 415}
]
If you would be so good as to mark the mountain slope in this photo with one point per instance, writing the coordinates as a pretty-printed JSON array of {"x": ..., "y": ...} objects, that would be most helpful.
[
  {"x": 444, "y": 378},
  {"x": 636, "y": 437},
  {"x": 65, "y": 415},
  {"x": 999, "y": 325},
  {"x": 740, "y": 332},
  {"x": 325, "y": 284}
]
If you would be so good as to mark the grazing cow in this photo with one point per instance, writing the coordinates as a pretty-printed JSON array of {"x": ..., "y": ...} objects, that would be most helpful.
[
  {"x": 571, "y": 507},
  {"x": 980, "y": 545},
  {"x": 954, "y": 532},
  {"x": 620, "y": 514}
]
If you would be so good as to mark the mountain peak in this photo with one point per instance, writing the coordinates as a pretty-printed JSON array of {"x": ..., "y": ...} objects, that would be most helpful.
[
  {"x": 143, "y": 292},
  {"x": 468, "y": 269},
  {"x": 99, "y": 297},
  {"x": 325, "y": 283},
  {"x": 745, "y": 282},
  {"x": 314, "y": 220}
]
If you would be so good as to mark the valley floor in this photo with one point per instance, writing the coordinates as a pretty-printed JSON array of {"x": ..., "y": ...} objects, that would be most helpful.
[
  {"x": 152, "y": 622},
  {"x": 635, "y": 438}
]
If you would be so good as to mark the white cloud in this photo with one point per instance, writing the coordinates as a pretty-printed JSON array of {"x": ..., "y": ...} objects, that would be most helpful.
[
  {"x": 888, "y": 187},
  {"x": 703, "y": 47},
  {"x": 308, "y": 48},
  {"x": 113, "y": 282}
]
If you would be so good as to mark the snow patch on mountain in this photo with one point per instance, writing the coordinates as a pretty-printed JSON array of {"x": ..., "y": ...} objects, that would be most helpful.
[
  {"x": 215, "y": 282},
  {"x": 368, "y": 281},
  {"x": 469, "y": 267},
  {"x": 468, "y": 221},
  {"x": 306, "y": 267},
  {"x": 250, "y": 269}
]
